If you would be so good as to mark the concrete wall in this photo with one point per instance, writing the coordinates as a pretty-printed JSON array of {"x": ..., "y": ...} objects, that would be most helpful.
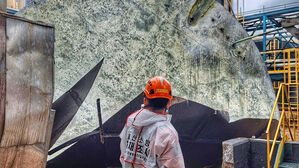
[
  {"x": 292, "y": 152},
  {"x": 246, "y": 153}
]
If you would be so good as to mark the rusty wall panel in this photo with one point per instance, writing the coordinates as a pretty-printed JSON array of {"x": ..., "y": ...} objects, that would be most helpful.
[
  {"x": 29, "y": 92},
  {"x": 2, "y": 72},
  {"x": 29, "y": 156}
]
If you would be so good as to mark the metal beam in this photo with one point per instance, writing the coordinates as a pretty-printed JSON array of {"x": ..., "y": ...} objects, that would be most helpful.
[
  {"x": 11, "y": 11},
  {"x": 259, "y": 28},
  {"x": 289, "y": 24},
  {"x": 280, "y": 33}
]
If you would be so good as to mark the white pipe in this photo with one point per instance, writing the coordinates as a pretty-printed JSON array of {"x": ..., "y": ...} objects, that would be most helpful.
[{"x": 243, "y": 8}]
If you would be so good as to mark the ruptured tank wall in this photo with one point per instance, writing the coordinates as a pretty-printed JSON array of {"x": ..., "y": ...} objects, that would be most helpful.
[{"x": 141, "y": 39}]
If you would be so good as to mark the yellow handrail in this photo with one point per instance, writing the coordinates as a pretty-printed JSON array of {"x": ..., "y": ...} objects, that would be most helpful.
[
  {"x": 283, "y": 92},
  {"x": 269, "y": 154},
  {"x": 271, "y": 52},
  {"x": 287, "y": 98},
  {"x": 274, "y": 108},
  {"x": 271, "y": 150}
]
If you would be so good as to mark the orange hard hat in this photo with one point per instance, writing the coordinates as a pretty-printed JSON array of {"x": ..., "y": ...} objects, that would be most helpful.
[{"x": 158, "y": 87}]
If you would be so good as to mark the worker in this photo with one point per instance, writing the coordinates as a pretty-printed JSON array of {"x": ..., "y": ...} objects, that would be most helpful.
[{"x": 148, "y": 139}]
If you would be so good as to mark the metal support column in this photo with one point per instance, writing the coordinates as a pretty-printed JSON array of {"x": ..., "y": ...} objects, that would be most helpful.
[{"x": 264, "y": 36}]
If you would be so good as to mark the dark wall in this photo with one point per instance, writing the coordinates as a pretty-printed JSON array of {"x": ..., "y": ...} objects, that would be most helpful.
[
  {"x": 220, "y": 1},
  {"x": 246, "y": 152}
]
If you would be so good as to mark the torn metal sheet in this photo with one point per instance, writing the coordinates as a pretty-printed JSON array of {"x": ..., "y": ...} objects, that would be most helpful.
[
  {"x": 68, "y": 104},
  {"x": 201, "y": 132}
]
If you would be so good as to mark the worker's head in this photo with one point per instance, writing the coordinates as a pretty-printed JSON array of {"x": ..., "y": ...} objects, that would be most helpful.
[{"x": 157, "y": 93}]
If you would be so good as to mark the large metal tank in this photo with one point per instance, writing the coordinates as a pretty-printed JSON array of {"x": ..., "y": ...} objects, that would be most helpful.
[{"x": 142, "y": 39}]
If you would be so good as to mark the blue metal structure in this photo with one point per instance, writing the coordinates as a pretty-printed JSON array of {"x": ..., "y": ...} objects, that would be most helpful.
[
  {"x": 271, "y": 20},
  {"x": 11, "y": 11},
  {"x": 264, "y": 36}
]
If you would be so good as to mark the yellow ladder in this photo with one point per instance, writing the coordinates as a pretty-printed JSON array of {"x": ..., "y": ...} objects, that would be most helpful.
[{"x": 291, "y": 70}]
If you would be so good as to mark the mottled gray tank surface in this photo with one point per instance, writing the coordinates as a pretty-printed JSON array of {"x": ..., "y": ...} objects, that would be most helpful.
[{"x": 188, "y": 42}]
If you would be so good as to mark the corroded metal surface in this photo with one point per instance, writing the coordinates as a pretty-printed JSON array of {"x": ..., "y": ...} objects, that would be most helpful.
[
  {"x": 198, "y": 10},
  {"x": 26, "y": 91},
  {"x": 2, "y": 72},
  {"x": 201, "y": 131},
  {"x": 68, "y": 104},
  {"x": 29, "y": 92}
]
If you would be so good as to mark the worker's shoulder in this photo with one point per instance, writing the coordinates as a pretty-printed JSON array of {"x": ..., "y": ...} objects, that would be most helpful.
[
  {"x": 165, "y": 127},
  {"x": 132, "y": 116}
]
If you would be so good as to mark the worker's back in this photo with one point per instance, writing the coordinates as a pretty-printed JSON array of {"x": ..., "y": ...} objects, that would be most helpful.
[{"x": 149, "y": 140}]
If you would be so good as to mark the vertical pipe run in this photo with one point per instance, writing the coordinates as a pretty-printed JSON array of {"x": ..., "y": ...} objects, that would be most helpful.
[
  {"x": 289, "y": 67},
  {"x": 289, "y": 86},
  {"x": 243, "y": 7},
  {"x": 238, "y": 7},
  {"x": 264, "y": 36},
  {"x": 294, "y": 129},
  {"x": 274, "y": 59},
  {"x": 289, "y": 104},
  {"x": 297, "y": 66},
  {"x": 279, "y": 43},
  {"x": 296, "y": 93},
  {"x": 101, "y": 129},
  {"x": 100, "y": 121},
  {"x": 268, "y": 150},
  {"x": 231, "y": 6},
  {"x": 283, "y": 111},
  {"x": 284, "y": 68}
]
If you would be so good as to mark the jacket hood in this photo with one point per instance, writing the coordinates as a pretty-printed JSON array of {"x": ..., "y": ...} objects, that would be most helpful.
[{"x": 145, "y": 117}]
